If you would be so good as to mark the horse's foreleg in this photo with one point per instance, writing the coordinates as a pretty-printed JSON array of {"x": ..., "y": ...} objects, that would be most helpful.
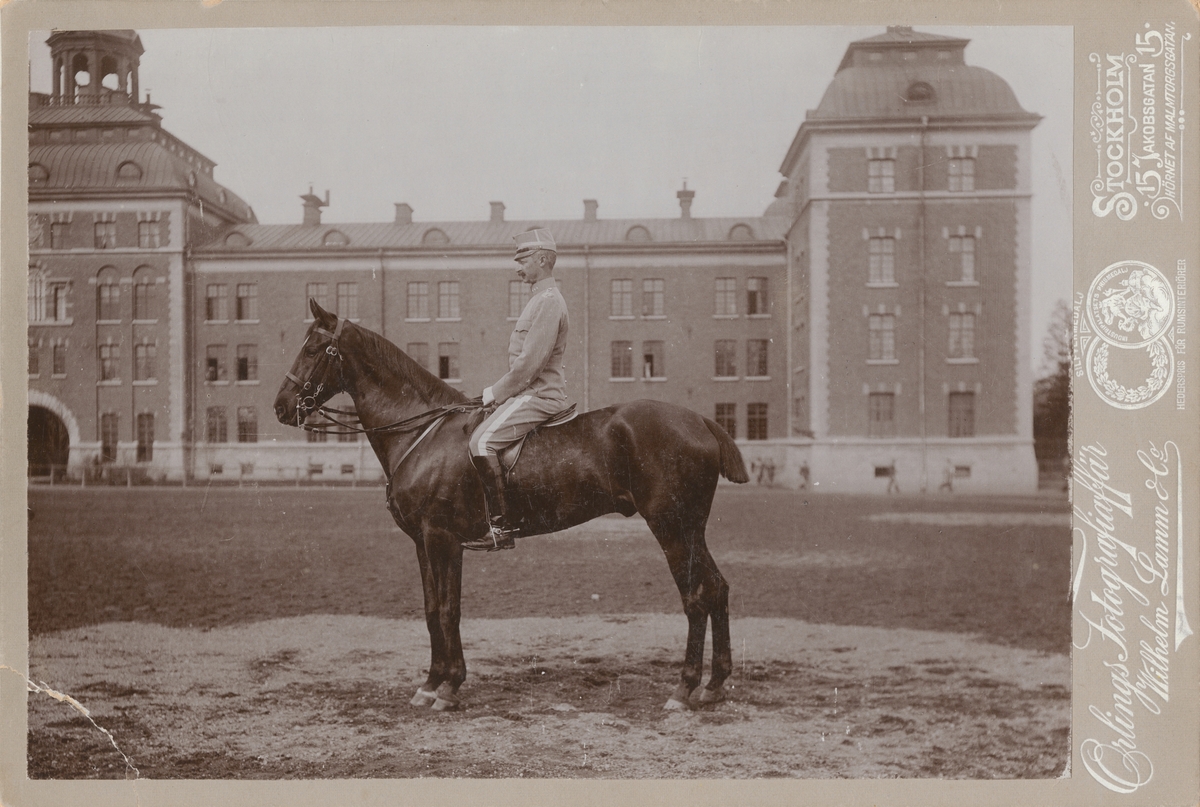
[
  {"x": 447, "y": 565},
  {"x": 427, "y": 692}
]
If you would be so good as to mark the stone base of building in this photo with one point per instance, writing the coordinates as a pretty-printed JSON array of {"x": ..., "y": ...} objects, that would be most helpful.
[{"x": 988, "y": 465}]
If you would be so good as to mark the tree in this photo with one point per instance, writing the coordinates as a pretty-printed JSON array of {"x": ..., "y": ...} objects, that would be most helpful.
[{"x": 1052, "y": 394}]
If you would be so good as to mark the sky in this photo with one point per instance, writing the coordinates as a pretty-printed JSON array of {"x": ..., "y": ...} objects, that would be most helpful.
[{"x": 451, "y": 118}]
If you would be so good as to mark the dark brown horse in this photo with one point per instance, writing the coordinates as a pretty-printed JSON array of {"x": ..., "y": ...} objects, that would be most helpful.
[{"x": 644, "y": 457}]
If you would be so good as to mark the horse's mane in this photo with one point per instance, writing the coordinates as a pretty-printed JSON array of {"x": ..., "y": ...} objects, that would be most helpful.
[{"x": 391, "y": 363}]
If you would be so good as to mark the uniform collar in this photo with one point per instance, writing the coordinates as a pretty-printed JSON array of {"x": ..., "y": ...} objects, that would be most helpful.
[{"x": 542, "y": 285}]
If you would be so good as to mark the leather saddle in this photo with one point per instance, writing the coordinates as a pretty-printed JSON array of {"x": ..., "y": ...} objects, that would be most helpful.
[{"x": 511, "y": 453}]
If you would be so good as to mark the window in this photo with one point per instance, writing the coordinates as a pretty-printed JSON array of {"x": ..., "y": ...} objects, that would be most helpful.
[
  {"x": 882, "y": 261},
  {"x": 58, "y": 234},
  {"x": 726, "y": 293},
  {"x": 418, "y": 352},
  {"x": 347, "y": 300},
  {"x": 347, "y": 437},
  {"x": 149, "y": 235},
  {"x": 108, "y": 437},
  {"x": 105, "y": 234},
  {"x": 756, "y": 296},
  {"x": 448, "y": 361},
  {"x": 145, "y": 437},
  {"x": 318, "y": 292},
  {"x": 215, "y": 426},
  {"x": 110, "y": 360},
  {"x": 418, "y": 300},
  {"x": 59, "y": 353},
  {"x": 448, "y": 300},
  {"x": 47, "y": 300},
  {"x": 961, "y": 174},
  {"x": 214, "y": 363},
  {"x": 34, "y": 358},
  {"x": 143, "y": 296},
  {"x": 882, "y": 342},
  {"x": 962, "y": 414},
  {"x": 518, "y": 297},
  {"x": 881, "y": 414},
  {"x": 247, "y": 424},
  {"x": 216, "y": 307},
  {"x": 726, "y": 358},
  {"x": 756, "y": 358},
  {"x": 247, "y": 301},
  {"x": 756, "y": 421},
  {"x": 964, "y": 246},
  {"x": 247, "y": 362},
  {"x": 622, "y": 298},
  {"x": 726, "y": 417},
  {"x": 653, "y": 293},
  {"x": 881, "y": 176},
  {"x": 143, "y": 361},
  {"x": 622, "y": 360},
  {"x": 962, "y": 336},
  {"x": 653, "y": 360},
  {"x": 108, "y": 297},
  {"x": 316, "y": 436}
]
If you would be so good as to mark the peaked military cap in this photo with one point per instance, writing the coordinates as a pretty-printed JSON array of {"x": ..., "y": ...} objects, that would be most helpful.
[{"x": 530, "y": 242}]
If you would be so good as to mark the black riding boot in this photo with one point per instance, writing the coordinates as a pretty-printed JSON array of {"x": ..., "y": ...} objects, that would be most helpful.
[{"x": 500, "y": 535}]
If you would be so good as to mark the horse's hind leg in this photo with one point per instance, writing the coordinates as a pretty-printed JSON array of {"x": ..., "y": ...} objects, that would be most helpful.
[
  {"x": 703, "y": 591},
  {"x": 722, "y": 653}
]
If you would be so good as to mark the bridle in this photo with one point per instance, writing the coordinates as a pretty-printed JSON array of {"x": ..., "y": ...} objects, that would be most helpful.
[{"x": 306, "y": 393}]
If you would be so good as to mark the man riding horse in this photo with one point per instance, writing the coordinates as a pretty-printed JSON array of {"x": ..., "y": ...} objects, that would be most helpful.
[{"x": 533, "y": 389}]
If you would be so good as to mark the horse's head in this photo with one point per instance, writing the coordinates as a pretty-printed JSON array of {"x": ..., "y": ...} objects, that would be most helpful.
[{"x": 316, "y": 375}]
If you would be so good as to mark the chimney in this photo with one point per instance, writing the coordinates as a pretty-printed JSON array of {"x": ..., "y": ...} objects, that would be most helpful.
[
  {"x": 589, "y": 209},
  {"x": 497, "y": 211},
  {"x": 404, "y": 213},
  {"x": 312, "y": 207},
  {"x": 685, "y": 201}
]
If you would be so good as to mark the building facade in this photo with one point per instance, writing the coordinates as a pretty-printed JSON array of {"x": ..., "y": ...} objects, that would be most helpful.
[{"x": 874, "y": 317}]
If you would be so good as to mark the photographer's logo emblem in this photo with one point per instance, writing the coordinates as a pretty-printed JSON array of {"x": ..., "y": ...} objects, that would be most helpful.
[{"x": 1130, "y": 311}]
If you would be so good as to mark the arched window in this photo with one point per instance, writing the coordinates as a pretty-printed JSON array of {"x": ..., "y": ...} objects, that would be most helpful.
[
  {"x": 237, "y": 239},
  {"x": 38, "y": 174},
  {"x": 108, "y": 295},
  {"x": 637, "y": 233},
  {"x": 144, "y": 303},
  {"x": 129, "y": 171},
  {"x": 741, "y": 232},
  {"x": 435, "y": 236},
  {"x": 335, "y": 238}
]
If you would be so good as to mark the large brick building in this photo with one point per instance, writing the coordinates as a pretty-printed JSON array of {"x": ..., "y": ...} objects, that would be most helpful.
[{"x": 875, "y": 316}]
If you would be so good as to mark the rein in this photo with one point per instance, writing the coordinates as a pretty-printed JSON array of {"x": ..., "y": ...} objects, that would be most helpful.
[{"x": 306, "y": 404}]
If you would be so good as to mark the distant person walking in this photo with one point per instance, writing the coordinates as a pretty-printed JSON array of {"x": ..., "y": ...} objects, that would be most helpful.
[{"x": 893, "y": 484}]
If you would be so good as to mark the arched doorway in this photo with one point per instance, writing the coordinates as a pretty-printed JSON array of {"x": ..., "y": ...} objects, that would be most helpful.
[{"x": 49, "y": 442}]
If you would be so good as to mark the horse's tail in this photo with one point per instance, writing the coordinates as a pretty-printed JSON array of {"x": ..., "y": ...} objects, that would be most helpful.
[{"x": 733, "y": 467}]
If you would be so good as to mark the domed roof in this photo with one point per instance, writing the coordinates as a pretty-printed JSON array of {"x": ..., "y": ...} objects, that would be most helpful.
[
  {"x": 896, "y": 91},
  {"x": 911, "y": 74}
]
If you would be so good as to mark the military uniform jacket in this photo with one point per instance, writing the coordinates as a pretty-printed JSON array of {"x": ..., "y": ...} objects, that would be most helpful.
[{"x": 535, "y": 349}]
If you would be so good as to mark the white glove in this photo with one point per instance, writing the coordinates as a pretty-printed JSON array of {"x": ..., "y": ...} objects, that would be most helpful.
[{"x": 488, "y": 398}]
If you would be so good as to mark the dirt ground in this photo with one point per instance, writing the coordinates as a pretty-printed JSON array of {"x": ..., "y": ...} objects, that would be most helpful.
[{"x": 278, "y": 637}]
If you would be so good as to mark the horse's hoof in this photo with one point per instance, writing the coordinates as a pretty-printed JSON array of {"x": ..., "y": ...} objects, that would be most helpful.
[
  {"x": 445, "y": 705},
  {"x": 675, "y": 705},
  {"x": 711, "y": 697},
  {"x": 424, "y": 698}
]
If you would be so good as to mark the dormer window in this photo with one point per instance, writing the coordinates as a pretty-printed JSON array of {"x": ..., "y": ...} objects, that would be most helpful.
[
  {"x": 335, "y": 238},
  {"x": 435, "y": 236},
  {"x": 919, "y": 92},
  {"x": 637, "y": 233},
  {"x": 237, "y": 239},
  {"x": 741, "y": 232},
  {"x": 38, "y": 174}
]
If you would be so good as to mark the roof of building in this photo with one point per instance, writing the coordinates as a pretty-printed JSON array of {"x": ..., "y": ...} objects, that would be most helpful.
[
  {"x": 137, "y": 165},
  {"x": 68, "y": 114},
  {"x": 491, "y": 234}
]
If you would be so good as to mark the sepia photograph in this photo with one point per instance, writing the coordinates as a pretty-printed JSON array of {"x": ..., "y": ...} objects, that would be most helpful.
[{"x": 584, "y": 402}]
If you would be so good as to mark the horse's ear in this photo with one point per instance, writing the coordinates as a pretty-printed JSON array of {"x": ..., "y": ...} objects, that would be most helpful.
[{"x": 321, "y": 315}]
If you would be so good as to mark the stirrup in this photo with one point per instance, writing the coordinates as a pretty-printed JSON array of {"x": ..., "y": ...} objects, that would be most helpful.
[{"x": 496, "y": 539}]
